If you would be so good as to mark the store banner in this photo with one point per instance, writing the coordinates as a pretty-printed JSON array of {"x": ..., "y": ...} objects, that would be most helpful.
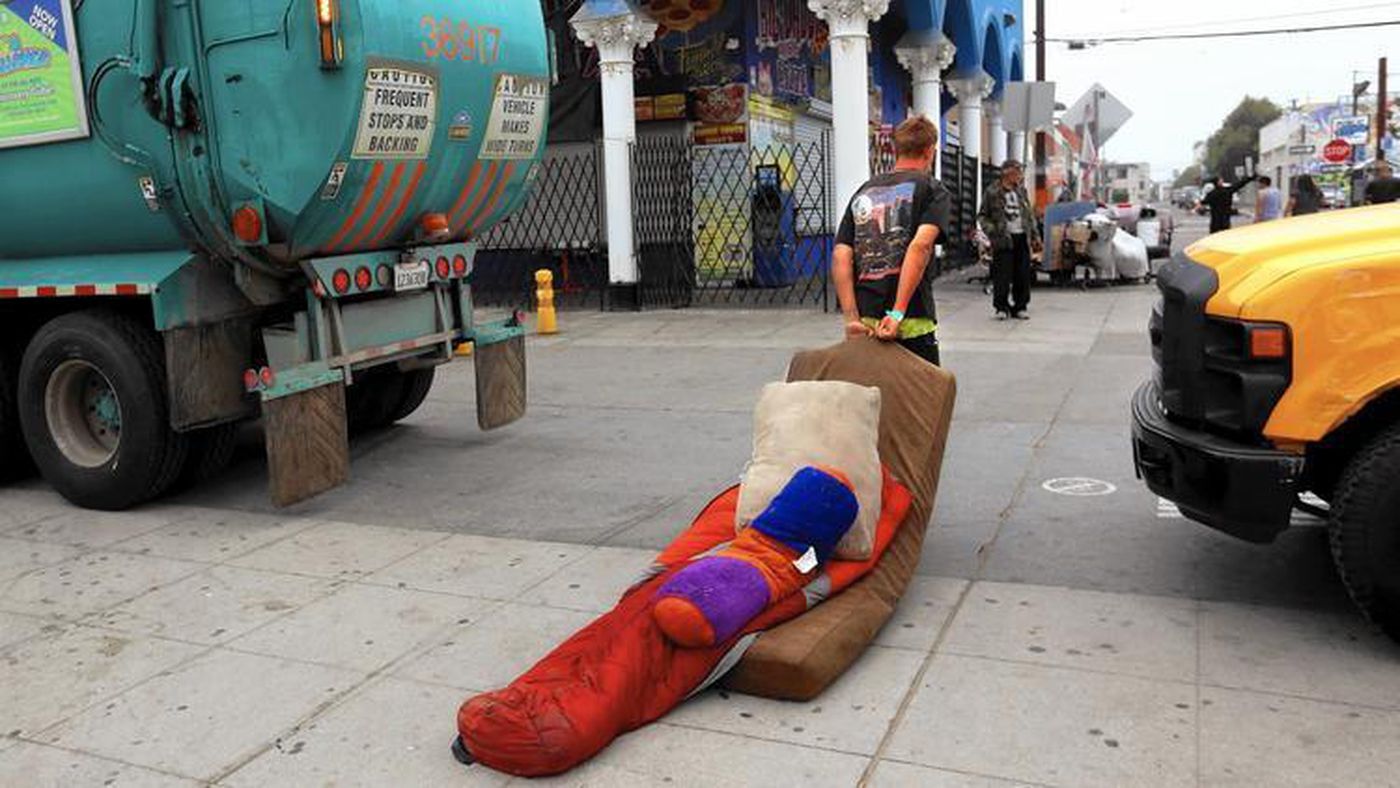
[{"x": 41, "y": 82}]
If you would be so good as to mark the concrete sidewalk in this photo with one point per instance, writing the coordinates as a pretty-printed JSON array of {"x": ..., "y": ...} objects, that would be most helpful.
[
  {"x": 1049, "y": 640},
  {"x": 180, "y": 646}
]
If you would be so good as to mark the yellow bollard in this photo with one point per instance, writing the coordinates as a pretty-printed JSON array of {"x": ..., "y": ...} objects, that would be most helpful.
[{"x": 547, "y": 321}]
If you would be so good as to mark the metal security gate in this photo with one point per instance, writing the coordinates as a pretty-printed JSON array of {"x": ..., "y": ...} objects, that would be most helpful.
[
  {"x": 732, "y": 224},
  {"x": 960, "y": 178},
  {"x": 559, "y": 227}
]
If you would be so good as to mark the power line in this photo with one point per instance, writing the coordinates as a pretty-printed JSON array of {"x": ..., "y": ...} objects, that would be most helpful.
[
  {"x": 1195, "y": 26},
  {"x": 1238, "y": 34}
]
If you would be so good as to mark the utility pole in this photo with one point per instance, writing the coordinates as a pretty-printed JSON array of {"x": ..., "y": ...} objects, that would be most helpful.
[
  {"x": 1382, "y": 112},
  {"x": 1042, "y": 167}
]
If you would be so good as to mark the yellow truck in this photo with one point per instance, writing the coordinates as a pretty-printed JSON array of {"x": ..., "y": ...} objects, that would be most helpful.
[{"x": 1277, "y": 372}]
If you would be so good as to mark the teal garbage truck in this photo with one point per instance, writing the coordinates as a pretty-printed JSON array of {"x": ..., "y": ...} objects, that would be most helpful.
[{"x": 212, "y": 210}]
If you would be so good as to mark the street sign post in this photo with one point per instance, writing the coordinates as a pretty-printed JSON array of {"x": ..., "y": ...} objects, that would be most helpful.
[
  {"x": 1028, "y": 106},
  {"x": 1337, "y": 151},
  {"x": 1302, "y": 150}
]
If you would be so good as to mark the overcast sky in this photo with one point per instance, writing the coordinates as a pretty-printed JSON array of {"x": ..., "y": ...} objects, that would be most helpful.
[{"x": 1180, "y": 91}]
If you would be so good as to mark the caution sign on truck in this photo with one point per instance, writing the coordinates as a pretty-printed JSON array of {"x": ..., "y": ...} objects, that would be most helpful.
[
  {"x": 518, "y": 115},
  {"x": 41, "y": 80},
  {"x": 399, "y": 114}
]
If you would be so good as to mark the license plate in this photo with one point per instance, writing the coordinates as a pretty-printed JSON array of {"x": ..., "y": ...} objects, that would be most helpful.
[{"x": 411, "y": 276}]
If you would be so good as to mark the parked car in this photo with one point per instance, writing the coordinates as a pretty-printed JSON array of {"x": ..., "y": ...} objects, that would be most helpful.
[{"x": 1334, "y": 197}]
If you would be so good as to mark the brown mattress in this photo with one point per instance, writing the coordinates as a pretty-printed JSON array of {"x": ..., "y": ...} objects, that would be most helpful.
[{"x": 801, "y": 658}]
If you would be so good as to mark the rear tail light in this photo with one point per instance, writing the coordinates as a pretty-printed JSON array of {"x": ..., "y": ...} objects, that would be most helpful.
[
  {"x": 328, "y": 32},
  {"x": 1268, "y": 342},
  {"x": 266, "y": 376},
  {"x": 386, "y": 276},
  {"x": 250, "y": 380},
  {"x": 340, "y": 281},
  {"x": 444, "y": 268},
  {"x": 248, "y": 225},
  {"x": 364, "y": 280},
  {"x": 459, "y": 266}
]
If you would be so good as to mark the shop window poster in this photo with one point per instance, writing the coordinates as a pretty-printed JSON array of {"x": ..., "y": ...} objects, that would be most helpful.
[{"x": 41, "y": 83}]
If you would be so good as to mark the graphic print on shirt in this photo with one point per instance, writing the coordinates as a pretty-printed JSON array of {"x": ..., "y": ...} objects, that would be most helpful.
[
  {"x": 884, "y": 219},
  {"x": 1013, "y": 213}
]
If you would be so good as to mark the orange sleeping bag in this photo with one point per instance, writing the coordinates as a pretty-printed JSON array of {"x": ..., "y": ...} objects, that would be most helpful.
[{"x": 621, "y": 672}]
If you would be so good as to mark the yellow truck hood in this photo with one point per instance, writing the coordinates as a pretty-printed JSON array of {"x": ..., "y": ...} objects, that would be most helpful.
[{"x": 1251, "y": 259}]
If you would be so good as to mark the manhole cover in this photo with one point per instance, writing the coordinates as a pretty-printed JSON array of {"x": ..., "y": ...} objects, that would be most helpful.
[{"x": 1079, "y": 486}]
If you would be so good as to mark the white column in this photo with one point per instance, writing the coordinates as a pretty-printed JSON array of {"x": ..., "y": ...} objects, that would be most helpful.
[
  {"x": 926, "y": 55},
  {"x": 1016, "y": 141},
  {"x": 970, "y": 91},
  {"x": 849, "y": 23},
  {"x": 996, "y": 133},
  {"x": 617, "y": 37}
]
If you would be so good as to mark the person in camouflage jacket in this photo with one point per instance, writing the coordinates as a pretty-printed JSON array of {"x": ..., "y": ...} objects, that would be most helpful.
[{"x": 1009, "y": 221}]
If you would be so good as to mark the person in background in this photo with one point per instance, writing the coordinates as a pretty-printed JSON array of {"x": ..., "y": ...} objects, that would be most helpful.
[
  {"x": 1008, "y": 219},
  {"x": 1268, "y": 204},
  {"x": 880, "y": 265},
  {"x": 1221, "y": 202},
  {"x": 1306, "y": 199},
  {"x": 1384, "y": 186}
]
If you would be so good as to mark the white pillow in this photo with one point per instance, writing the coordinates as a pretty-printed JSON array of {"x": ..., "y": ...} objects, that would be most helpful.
[{"x": 827, "y": 422}]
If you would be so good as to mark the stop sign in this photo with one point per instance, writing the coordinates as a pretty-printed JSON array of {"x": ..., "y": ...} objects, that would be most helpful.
[{"x": 1337, "y": 151}]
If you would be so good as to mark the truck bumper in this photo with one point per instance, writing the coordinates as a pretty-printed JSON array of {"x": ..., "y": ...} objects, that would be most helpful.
[{"x": 1245, "y": 491}]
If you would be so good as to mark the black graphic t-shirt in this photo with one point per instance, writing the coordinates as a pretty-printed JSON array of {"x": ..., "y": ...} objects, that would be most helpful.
[{"x": 879, "y": 224}]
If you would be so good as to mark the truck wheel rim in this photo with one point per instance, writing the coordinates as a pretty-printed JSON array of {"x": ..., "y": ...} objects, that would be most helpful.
[{"x": 84, "y": 414}]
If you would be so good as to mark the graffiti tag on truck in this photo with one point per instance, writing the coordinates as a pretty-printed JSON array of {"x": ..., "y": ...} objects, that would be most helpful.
[{"x": 461, "y": 41}]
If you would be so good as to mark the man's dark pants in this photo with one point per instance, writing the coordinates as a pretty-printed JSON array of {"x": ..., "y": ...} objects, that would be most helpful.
[
  {"x": 1011, "y": 275},
  {"x": 925, "y": 347}
]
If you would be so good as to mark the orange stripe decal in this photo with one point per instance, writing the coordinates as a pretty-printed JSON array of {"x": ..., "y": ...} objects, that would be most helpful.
[
  {"x": 385, "y": 201},
  {"x": 403, "y": 204},
  {"x": 479, "y": 220},
  {"x": 467, "y": 190},
  {"x": 366, "y": 194},
  {"x": 459, "y": 220}
]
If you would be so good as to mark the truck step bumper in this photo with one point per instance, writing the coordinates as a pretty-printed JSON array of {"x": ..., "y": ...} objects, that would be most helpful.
[{"x": 1245, "y": 491}]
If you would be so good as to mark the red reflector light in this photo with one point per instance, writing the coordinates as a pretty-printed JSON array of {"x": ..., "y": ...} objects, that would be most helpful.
[
  {"x": 247, "y": 224},
  {"x": 266, "y": 376},
  {"x": 250, "y": 380},
  {"x": 364, "y": 280},
  {"x": 444, "y": 268},
  {"x": 1268, "y": 342},
  {"x": 459, "y": 266},
  {"x": 435, "y": 226},
  {"x": 340, "y": 281}
]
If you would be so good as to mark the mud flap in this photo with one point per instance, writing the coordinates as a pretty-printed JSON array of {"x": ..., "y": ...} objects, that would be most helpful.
[
  {"x": 500, "y": 382},
  {"x": 308, "y": 447}
]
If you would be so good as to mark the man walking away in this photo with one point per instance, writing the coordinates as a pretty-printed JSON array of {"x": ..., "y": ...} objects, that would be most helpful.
[
  {"x": 1009, "y": 221},
  {"x": 887, "y": 237},
  {"x": 1384, "y": 187},
  {"x": 1268, "y": 204},
  {"x": 1221, "y": 202}
]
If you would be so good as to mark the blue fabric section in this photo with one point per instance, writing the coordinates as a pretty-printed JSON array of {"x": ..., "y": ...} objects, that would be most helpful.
[{"x": 814, "y": 510}]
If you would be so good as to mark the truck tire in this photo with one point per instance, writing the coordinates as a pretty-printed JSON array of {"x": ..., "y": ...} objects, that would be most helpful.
[
  {"x": 211, "y": 451},
  {"x": 371, "y": 402},
  {"x": 416, "y": 385},
  {"x": 14, "y": 456},
  {"x": 92, "y": 404},
  {"x": 1365, "y": 530}
]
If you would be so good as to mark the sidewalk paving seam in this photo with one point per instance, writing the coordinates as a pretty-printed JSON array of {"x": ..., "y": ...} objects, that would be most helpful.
[
  {"x": 1017, "y": 781},
  {"x": 760, "y": 737},
  {"x": 1199, "y": 608},
  {"x": 907, "y": 700},
  {"x": 108, "y": 759}
]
